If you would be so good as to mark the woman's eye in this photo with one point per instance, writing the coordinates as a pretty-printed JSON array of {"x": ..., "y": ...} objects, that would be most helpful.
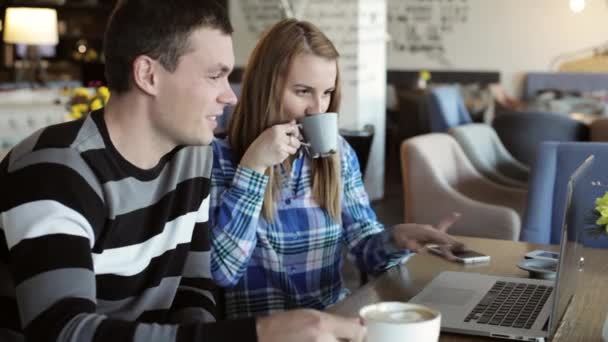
[{"x": 302, "y": 91}]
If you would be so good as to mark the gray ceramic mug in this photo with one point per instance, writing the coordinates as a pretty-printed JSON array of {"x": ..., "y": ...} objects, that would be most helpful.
[{"x": 320, "y": 132}]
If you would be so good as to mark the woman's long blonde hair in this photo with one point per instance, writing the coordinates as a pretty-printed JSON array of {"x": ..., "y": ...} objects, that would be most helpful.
[{"x": 260, "y": 105}]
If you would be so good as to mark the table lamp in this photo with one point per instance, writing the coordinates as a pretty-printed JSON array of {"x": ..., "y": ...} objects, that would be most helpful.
[{"x": 31, "y": 26}]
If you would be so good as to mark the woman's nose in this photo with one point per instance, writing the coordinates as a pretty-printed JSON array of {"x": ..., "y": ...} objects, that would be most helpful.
[{"x": 315, "y": 107}]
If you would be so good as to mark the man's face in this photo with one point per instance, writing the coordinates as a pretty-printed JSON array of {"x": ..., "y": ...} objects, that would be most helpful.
[{"x": 190, "y": 99}]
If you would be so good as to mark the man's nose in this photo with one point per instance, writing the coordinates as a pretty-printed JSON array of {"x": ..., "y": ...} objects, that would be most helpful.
[{"x": 229, "y": 96}]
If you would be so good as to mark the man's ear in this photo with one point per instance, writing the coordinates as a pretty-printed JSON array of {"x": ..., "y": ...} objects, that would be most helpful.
[{"x": 144, "y": 74}]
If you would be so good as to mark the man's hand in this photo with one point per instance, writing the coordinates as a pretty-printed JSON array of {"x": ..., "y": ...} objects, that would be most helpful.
[
  {"x": 415, "y": 237},
  {"x": 308, "y": 325},
  {"x": 271, "y": 147}
]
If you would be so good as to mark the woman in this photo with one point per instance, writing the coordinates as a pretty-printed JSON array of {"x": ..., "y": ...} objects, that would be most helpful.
[{"x": 280, "y": 218}]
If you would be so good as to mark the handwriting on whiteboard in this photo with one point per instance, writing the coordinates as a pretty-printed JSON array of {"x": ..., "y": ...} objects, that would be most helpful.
[{"x": 420, "y": 26}]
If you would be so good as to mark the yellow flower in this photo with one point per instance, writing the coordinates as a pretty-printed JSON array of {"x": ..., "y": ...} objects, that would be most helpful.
[
  {"x": 81, "y": 92},
  {"x": 601, "y": 207},
  {"x": 425, "y": 75},
  {"x": 90, "y": 55},
  {"x": 96, "y": 104},
  {"x": 75, "y": 113},
  {"x": 83, "y": 101},
  {"x": 81, "y": 107},
  {"x": 104, "y": 93},
  {"x": 602, "y": 201}
]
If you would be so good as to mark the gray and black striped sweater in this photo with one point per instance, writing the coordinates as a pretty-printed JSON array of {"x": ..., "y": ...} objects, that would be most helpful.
[{"x": 93, "y": 248}]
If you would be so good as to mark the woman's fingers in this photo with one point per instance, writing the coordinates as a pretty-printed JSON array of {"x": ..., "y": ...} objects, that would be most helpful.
[{"x": 446, "y": 222}]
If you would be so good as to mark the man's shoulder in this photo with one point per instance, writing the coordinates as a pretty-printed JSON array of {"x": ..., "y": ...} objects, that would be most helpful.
[
  {"x": 66, "y": 135},
  {"x": 197, "y": 159},
  {"x": 56, "y": 149},
  {"x": 197, "y": 154}
]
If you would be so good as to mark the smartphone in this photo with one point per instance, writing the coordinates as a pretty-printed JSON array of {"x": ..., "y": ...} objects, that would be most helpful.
[{"x": 466, "y": 256}]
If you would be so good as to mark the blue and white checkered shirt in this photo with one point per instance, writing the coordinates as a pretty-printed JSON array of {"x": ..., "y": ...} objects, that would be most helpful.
[{"x": 294, "y": 261}]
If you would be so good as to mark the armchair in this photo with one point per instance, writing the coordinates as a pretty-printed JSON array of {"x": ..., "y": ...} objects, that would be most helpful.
[
  {"x": 447, "y": 109},
  {"x": 556, "y": 161},
  {"x": 489, "y": 156},
  {"x": 522, "y": 132},
  {"x": 439, "y": 179}
]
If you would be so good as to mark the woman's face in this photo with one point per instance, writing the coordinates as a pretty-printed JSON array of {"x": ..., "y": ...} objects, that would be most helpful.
[{"x": 309, "y": 87}]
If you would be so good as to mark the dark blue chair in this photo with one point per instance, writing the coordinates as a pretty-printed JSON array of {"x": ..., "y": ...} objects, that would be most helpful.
[
  {"x": 547, "y": 192},
  {"x": 361, "y": 142},
  {"x": 446, "y": 109},
  {"x": 521, "y": 132}
]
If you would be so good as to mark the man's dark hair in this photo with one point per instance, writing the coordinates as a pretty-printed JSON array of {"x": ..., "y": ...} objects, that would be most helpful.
[{"x": 156, "y": 28}]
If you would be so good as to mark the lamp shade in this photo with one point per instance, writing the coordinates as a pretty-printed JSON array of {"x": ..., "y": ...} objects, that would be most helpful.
[{"x": 35, "y": 26}]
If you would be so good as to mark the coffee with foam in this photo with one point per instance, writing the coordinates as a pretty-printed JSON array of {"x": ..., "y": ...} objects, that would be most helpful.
[
  {"x": 398, "y": 322},
  {"x": 399, "y": 316}
]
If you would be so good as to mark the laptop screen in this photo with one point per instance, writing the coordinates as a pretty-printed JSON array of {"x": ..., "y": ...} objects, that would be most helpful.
[{"x": 570, "y": 250}]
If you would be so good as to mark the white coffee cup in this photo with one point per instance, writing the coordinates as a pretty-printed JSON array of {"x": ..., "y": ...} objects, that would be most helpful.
[
  {"x": 398, "y": 322},
  {"x": 320, "y": 132}
]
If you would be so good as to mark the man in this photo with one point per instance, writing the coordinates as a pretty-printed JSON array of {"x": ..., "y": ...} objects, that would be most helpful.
[{"x": 103, "y": 221}]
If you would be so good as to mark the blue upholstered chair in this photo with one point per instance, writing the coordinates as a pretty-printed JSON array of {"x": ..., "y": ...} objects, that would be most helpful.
[
  {"x": 446, "y": 109},
  {"x": 547, "y": 191},
  {"x": 521, "y": 132}
]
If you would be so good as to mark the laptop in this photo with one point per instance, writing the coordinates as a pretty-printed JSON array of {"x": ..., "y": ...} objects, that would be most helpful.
[{"x": 506, "y": 307}]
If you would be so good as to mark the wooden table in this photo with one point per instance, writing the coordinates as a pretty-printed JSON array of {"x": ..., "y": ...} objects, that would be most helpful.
[{"x": 583, "y": 320}]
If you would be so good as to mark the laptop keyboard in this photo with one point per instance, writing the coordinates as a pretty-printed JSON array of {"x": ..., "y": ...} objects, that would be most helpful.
[{"x": 510, "y": 304}]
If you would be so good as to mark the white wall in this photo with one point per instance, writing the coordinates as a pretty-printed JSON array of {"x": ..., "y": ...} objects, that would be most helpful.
[
  {"x": 511, "y": 36},
  {"x": 358, "y": 30}
]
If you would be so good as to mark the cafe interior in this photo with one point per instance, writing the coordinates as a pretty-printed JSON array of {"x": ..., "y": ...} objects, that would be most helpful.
[{"x": 484, "y": 107}]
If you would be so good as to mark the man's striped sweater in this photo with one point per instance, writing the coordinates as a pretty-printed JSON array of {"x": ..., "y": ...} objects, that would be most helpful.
[{"x": 93, "y": 248}]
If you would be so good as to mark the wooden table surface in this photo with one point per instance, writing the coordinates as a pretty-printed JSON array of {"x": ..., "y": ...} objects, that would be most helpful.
[{"x": 583, "y": 320}]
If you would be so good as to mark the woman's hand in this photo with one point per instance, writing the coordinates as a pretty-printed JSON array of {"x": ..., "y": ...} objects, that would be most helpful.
[
  {"x": 415, "y": 237},
  {"x": 272, "y": 147}
]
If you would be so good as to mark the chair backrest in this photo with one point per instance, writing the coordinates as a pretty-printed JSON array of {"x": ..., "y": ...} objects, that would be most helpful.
[
  {"x": 521, "y": 132},
  {"x": 439, "y": 155},
  {"x": 361, "y": 142},
  {"x": 581, "y": 81},
  {"x": 429, "y": 157},
  {"x": 477, "y": 141},
  {"x": 487, "y": 153},
  {"x": 446, "y": 108},
  {"x": 554, "y": 165}
]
